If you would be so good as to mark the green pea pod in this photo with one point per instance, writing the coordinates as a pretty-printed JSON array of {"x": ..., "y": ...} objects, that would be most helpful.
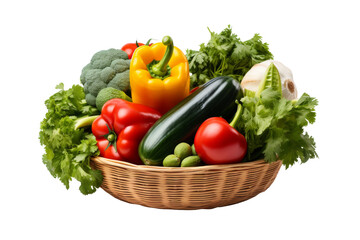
[
  {"x": 193, "y": 150},
  {"x": 191, "y": 161},
  {"x": 183, "y": 150},
  {"x": 171, "y": 161},
  {"x": 271, "y": 79}
]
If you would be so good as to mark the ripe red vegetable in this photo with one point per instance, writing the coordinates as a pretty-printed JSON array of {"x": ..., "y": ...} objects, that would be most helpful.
[
  {"x": 129, "y": 48},
  {"x": 218, "y": 142},
  {"x": 120, "y": 128}
]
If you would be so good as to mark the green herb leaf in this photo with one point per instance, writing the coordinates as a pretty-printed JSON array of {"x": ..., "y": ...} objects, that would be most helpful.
[
  {"x": 274, "y": 127},
  {"x": 68, "y": 150},
  {"x": 225, "y": 54}
]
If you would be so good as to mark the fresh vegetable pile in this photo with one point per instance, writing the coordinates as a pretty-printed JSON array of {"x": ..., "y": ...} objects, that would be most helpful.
[{"x": 151, "y": 104}]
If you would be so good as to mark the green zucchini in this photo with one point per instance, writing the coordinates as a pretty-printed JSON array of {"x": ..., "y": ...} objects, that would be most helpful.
[{"x": 214, "y": 98}]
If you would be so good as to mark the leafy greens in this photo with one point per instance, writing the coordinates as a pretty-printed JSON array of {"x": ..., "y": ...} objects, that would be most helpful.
[
  {"x": 225, "y": 54},
  {"x": 68, "y": 150},
  {"x": 274, "y": 127}
]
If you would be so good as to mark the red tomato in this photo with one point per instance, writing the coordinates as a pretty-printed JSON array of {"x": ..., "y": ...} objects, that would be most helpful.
[
  {"x": 216, "y": 142},
  {"x": 129, "y": 48}
]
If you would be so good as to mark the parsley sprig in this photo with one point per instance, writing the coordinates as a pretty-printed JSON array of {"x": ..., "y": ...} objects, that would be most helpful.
[
  {"x": 68, "y": 149},
  {"x": 226, "y": 54}
]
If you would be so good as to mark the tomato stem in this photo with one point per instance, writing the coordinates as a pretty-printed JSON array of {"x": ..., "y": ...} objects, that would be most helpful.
[
  {"x": 148, "y": 42},
  {"x": 237, "y": 115}
]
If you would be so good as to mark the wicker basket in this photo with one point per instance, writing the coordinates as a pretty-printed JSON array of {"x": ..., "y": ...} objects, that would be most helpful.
[{"x": 185, "y": 188}]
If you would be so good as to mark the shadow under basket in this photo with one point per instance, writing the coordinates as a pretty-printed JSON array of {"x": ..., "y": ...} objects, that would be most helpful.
[{"x": 202, "y": 187}]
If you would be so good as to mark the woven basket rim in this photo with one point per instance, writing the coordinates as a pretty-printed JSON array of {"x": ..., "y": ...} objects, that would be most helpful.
[
  {"x": 201, "y": 187},
  {"x": 128, "y": 165}
]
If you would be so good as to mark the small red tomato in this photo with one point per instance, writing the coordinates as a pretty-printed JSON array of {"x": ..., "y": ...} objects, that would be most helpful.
[
  {"x": 129, "y": 48},
  {"x": 216, "y": 142}
]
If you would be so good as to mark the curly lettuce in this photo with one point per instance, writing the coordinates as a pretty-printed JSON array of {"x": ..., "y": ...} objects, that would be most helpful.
[
  {"x": 68, "y": 148},
  {"x": 274, "y": 127}
]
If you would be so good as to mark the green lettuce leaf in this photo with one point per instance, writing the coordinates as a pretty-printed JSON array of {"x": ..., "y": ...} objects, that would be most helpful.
[
  {"x": 68, "y": 151},
  {"x": 275, "y": 127}
]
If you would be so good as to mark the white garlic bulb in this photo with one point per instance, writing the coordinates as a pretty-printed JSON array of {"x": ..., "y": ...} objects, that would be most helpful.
[{"x": 255, "y": 75}]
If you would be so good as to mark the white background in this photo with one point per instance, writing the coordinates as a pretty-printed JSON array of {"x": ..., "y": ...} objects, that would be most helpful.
[{"x": 44, "y": 43}]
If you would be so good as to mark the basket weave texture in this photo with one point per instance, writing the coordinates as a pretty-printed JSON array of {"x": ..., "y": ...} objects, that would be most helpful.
[{"x": 201, "y": 187}]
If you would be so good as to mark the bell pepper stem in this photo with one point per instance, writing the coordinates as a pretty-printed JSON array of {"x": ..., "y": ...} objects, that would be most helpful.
[
  {"x": 111, "y": 137},
  {"x": 160, "y": 68},
  {"x": 237, "y": 115}
]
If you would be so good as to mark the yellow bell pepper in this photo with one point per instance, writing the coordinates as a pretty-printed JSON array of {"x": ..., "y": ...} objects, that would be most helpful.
[{"x": 159, "y": 75}]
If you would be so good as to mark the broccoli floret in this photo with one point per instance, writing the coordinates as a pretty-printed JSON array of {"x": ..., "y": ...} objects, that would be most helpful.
[
  {"x": 107, "y": 68},
  {"x": 107, "y": 74},
  {"x": 120, "y": 80}
]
